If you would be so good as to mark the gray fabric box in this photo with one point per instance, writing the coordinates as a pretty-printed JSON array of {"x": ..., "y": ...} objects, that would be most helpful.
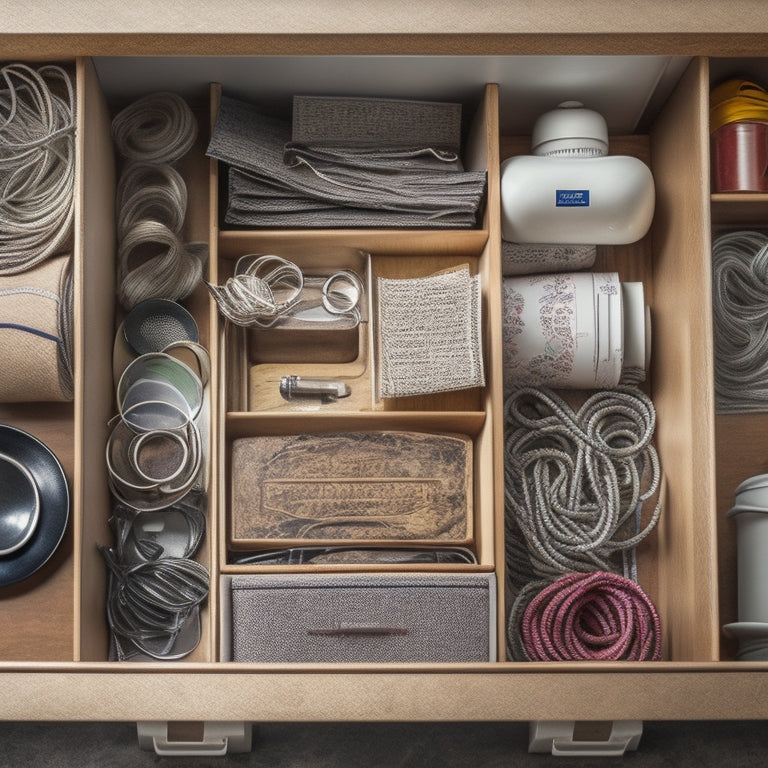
[{"x": 334, "y": 618}]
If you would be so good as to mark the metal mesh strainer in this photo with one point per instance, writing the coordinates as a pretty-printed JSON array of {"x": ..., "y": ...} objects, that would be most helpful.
[{"x": 155, "y": 323}]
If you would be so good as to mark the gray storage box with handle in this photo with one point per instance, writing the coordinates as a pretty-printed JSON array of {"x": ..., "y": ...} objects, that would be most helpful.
[{"x": 359, "y": 617}]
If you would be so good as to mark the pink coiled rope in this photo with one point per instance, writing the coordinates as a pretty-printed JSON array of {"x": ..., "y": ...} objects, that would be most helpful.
[{"x": 596, "y": 616}]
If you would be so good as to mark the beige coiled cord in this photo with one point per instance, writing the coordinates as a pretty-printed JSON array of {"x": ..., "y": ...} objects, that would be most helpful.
[
  {"x": 37, "y": 164},
  {"x": 151, "y": 134}
]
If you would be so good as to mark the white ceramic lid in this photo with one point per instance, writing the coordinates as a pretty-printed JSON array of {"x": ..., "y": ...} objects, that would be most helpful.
[{"x": 570, "y": 131}]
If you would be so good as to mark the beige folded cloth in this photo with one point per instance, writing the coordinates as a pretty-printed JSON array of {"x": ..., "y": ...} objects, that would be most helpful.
[{"x": 36, "y": 333}]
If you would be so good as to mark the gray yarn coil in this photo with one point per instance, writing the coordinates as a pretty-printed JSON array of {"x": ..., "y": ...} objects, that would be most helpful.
[
  {"x": 575, "y": 482},
  {"x": 157, "y": 128},
  {"x": 740, "y": 317},
  {"x": 153, "y": 261}
]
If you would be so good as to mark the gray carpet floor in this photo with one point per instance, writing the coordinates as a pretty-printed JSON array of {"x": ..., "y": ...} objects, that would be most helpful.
[{"x": 384, "y": 745}]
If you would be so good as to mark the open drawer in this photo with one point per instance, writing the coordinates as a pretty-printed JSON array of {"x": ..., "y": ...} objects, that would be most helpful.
[{"x": 55, "y": 644}]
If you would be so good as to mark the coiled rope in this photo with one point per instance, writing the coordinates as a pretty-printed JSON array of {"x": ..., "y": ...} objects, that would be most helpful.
[
  {"x": 157, "y": 128},
  {"x": 37, "y": 164},
  {"x": 576, "y": 482},
  {"x": 740, "y": 315},
  {"x": 152, "y": 133},
  {"x": 585, "y": 617}
]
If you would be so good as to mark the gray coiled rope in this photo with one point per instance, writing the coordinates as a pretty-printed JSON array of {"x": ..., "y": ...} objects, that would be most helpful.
[
  {"x": 740, "y": 316},
  {"x": 152, "y": 133},
  {"x": 37, "y": 164},
  {"x": 157, "y": 128},
  {"x": 576, "y": 482}
]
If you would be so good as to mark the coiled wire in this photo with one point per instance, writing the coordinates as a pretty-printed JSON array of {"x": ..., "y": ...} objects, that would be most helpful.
[
  {"x": 740, "y": 315},
  {"x": 37, "y": 164},
  {"x": 261, "y": 294}
]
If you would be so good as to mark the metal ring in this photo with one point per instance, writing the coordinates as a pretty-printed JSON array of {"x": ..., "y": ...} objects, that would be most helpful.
[
  {"x": 138, "y": 443},
  {"x": 342, "y": 292}
]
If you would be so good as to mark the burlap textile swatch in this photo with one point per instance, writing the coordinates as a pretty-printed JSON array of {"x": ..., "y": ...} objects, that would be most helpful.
[
  {"x": 36, "y": 333},
  {"x": 429, "y": 334}
]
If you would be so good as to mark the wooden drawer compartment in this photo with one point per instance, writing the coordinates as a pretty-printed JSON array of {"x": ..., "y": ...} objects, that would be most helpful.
[{"x": 60, "y": 672}]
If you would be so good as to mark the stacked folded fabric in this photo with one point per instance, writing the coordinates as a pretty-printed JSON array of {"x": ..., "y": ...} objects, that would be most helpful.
[{"x": 356, "y": 177}]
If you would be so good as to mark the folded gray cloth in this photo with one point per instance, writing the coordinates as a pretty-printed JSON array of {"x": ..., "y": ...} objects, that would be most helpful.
[
  {"x": 392, "y": 160},
  {"x": 255, "y": 203},
  {"x": 319, "y": 193},
  {"x": 373, "y": 122}
]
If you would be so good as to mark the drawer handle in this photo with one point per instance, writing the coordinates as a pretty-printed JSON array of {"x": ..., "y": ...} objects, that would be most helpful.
[{"x": 360, "y": 630}]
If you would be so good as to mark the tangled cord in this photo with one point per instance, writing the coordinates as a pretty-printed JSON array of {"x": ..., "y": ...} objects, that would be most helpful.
[
  {"x": 584, "y": 617},
  {"x": 37, "y": 164},
  {"x": 152, "y": 133},
  {"x": 575, "y": 482},
  {"x": 149, "y": 603},
  {"x": 261, "y": 294},
  {"x": 740, "y": 313}
]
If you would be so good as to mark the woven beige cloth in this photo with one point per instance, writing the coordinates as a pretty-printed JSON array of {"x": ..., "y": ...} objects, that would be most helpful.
[
  {"x": 429, "y": 334},
  {"x": 36, "y": 333}
]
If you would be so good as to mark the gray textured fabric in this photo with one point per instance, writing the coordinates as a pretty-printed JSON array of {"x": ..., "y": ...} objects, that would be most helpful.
[
  {"x": 352, "y": 121},
  {"x": 258, "y": 204},
  {"x": 532, "y": 258},
  {"x": 388, "y": 160},
  {"x": 345, "y": 618}
]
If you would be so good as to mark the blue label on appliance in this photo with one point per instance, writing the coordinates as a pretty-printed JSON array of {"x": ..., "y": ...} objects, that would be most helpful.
[{"x": 571, "y": 198}]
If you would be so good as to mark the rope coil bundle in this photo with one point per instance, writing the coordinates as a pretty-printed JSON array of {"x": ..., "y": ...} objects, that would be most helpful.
[
  {"x": 740, "y": 315},
  {"x": 575, "y": 484},
  {"x": 152, "y": 134},
  {"x": 585, "y": 617},
  {"x": 157, "y": 128},
  {"x": 37, "y": 164},
  {"x": 576, "y": 481}
]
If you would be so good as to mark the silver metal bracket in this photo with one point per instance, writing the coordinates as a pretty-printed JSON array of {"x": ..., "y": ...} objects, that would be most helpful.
[
  {"x": 194, "y": 739},
  {"x": 562, "y": 739}
]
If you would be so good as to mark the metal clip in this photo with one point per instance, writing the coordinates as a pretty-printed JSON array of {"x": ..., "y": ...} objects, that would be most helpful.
[{"x": 328, "y": 390}]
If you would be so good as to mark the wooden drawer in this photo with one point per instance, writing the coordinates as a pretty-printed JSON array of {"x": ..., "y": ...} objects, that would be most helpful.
[{"x": 54, "y": 644}]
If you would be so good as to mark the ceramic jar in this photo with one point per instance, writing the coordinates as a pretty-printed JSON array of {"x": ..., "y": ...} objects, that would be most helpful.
[{"x": 573, "y": 330}]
